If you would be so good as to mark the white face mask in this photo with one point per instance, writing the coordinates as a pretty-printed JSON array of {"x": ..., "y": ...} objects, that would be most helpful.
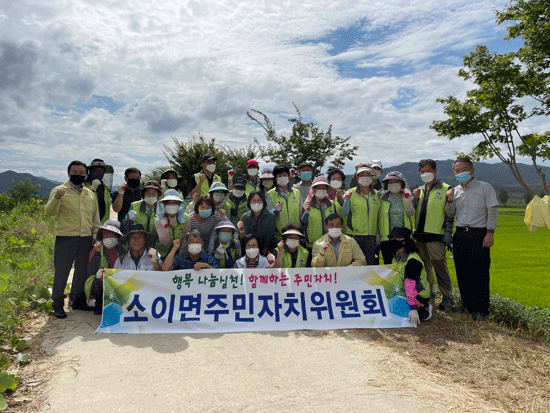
[
  {"x": 257, "y": 207},
  {"x": 364, "y": 181},
  {"x": 335, "y": 232},
  {"x": 292, "y": 243},
  {"x": 211, "y": 167},
  {"x": 282, "y": 181},
  {"x": 394, "y": 188},
  {"x": 150, "y": 200},
  {"x": 218, "y": 197},
  {"x": 252, "y": 171},
  {"x": 237, "y": 193},
  {"x": 110, "y": 242},
  {"x": 268, "y": 184},
  {"x": 321, "y": 193},
  {"x": 194, "y": 248},
  {"x": 172, "y": 209},
  {"x": 172, "y": 183},
  {"x": 336, "y": 184},
  {"x": 427, "y": 177},
  {"x": 252, "y": 252}
]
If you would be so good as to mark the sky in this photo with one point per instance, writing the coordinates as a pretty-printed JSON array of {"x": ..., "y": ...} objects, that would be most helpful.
[{"x": 118, "y": 80}]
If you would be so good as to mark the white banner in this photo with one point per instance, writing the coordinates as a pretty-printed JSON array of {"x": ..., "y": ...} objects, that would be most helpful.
[{"x": 231, "y": 300}]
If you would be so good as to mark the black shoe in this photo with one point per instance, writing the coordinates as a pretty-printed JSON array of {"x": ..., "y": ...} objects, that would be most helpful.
[
  {"x": 477, "y": 316},
  {"x": 446, "y": 304},
  {"x": 458, "y": 309},
  {"x": 60, "y": 313}
]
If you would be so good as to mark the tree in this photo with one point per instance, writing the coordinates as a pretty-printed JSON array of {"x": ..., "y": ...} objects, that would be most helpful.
[
  {"x": 185, "y": 159},
  {"x": 23, "y": 191},
  {"x": 306, "y": 143},
  {"x": 503, "y": 196},
  {"x": 511, "y": 89}
]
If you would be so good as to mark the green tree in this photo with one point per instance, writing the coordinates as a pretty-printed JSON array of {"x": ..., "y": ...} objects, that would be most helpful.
[
  {"x": 23, "y": 191},
  {"x": 185, "y": 158},
  {"x": 503, "y": 196},
  {"x": 510, "y": 89},
  {"x": 306, "y": 143}
]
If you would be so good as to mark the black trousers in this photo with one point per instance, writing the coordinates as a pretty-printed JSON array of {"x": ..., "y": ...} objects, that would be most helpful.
[
  {"x": 472, "y": 263},
  {"x": 69, "y": 250},
  {"x": 367, "y": 243}
]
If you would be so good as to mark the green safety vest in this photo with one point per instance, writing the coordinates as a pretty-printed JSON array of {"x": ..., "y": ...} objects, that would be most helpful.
[
  {"x": 205, "y": 187},
  {"x": 250, "y": 188},
  {"x": 315, "y": 223},
  {"x": 106, "y": 200},
  {"x": 290, "y": 213},
  {"x": 88, "y": 285},
  {"x": 241, "y": 209},
  {"x": 435, "y": 210},
  {"x": 301, "y": 259},
  {"x": 363, "y": 216},
  {"x": 175, "y": 233},
  {"x": 384, "y": 219},
  {"x": 144, "y": 216},
  {"x": 422, "y": 286}
]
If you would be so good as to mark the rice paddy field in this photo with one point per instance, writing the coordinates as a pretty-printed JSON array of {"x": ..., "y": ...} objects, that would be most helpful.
[{"x": 520, "y": 260}]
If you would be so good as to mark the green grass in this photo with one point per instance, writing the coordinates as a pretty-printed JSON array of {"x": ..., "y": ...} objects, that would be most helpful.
[{"x": 520, "y": 261}]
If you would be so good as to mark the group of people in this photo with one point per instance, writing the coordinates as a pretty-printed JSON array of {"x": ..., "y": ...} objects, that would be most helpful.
[{"x": 281, "y": 218}]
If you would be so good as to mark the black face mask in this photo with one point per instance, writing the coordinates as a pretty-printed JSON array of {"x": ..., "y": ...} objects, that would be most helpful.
[
  {"x": 133, "y": 183},
  {"x": 396, "y": 245},
  {"x": 77, "y": 179}
]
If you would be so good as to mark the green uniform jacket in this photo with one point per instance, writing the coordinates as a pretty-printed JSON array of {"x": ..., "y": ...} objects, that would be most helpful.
[
  {"x": 235, "y": 212},
  {"x": 290, "y": 213},
  {"x": 422, "y": 286},
  {"x": 384, "y": 218},
  {"x": 267, "y": 225},
  {"x": 314, "y": 226},
  {"x": 250, "y": 188},
  {"x": 301, "y": 259},
  {"x": 435, "y": 210},
  {"x": 363, "y": 216},
  {"x": 205, "y": 187}
]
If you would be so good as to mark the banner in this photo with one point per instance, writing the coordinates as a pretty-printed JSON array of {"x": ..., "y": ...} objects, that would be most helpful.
[{"x": 231, "y": 300}]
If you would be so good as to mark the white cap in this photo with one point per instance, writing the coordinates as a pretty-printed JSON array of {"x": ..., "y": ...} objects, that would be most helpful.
[{"x": 376, "y": 163}]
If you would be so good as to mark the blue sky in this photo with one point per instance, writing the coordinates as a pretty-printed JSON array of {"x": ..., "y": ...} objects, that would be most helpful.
[{"x": 81, "y": 80}]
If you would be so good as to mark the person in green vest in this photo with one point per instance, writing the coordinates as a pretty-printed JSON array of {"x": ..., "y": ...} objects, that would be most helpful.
[
  {"x": 360, "y": 211},
  {"x": 202, "y": 181},
  {"x": 170, "y": 221},
  {"x": 433, "y": 230},
  {"x": 283, "y": 200},
  {"x": 236, "y": 204},
  {"x": 316, "y": 208},
  {"x": 397, "y": 210},
  {"x": 225, "y": 245},
  {"x": 143, "y": 212},
  {"x": 411, "y": 269},
  {"x": 104, "y": 255},
  {"x": 291, "y": 252},
  {"x": 94, "y": 181}
]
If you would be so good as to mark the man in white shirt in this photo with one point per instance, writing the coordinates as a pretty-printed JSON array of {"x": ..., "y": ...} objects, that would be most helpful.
[{"x": 475, "y": 205}]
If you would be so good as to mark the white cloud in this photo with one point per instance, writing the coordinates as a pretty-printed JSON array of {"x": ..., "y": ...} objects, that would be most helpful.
[{"x": 179, "y": 68}]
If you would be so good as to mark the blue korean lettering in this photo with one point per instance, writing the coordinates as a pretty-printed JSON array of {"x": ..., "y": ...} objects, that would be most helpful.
[
  {"x": 194, "y": 303},
  {"x": 373, "y": 302},
  {"x": 317, "y": 299},
  {"x": 265, "y": 306},
  {"x": 239, "y": 304},
  {"x": 159, "y": 314},
  {"x": 216, "y": 301},
  {"x": 342, "y": 298},
  {"x": 291, "y": 301},
  {"x": 135, "y": 303}
]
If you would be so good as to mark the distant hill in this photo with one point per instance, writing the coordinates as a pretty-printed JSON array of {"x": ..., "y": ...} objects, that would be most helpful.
[
  {"x": 7, "y": 177},
  {"x": 497, "y": 174}
]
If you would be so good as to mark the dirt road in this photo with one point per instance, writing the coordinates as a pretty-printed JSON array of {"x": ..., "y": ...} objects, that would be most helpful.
[{"x": 306, "y": 371}]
